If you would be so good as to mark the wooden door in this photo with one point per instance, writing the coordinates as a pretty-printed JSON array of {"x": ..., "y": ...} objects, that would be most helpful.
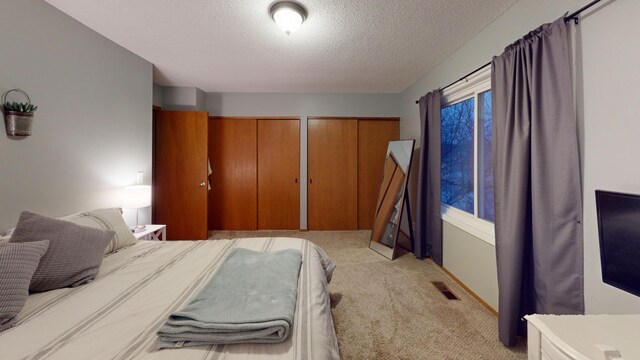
[
  {"x": 233, "y": 155},
  {"x": 180, "y": 174},
  {"x": 278, "y": 172},
  {"x": 373, "y": 138},
  {"x": 332, "y": 173}
]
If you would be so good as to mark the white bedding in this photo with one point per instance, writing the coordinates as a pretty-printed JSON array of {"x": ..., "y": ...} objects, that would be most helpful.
[{"x": 117, "y": 315}]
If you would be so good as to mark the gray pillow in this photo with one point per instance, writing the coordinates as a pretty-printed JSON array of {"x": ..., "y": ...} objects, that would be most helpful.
[
  {"x": 18, "y": 262},
  {"x": 74, "y": 255}
]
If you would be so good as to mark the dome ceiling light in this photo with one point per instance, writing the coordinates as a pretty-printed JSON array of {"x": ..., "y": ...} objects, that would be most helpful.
[{"x": 288, "y": 15}]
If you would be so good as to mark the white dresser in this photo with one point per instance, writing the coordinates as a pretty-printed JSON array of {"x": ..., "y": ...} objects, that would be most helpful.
[{"x": 583, "y": 337}]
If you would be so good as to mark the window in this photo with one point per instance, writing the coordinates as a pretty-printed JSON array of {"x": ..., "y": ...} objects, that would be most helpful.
[
  {"x": 456, "y": 166},
  {"x": 485, "y": 157},
  {"x": 466, "y": 156}
]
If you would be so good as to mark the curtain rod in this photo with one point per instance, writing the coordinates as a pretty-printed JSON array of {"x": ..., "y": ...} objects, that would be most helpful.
[{"x": 573, "y": 16}]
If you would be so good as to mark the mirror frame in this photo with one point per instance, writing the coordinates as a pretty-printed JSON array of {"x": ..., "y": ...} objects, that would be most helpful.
[{"x": 384, "y": 250}]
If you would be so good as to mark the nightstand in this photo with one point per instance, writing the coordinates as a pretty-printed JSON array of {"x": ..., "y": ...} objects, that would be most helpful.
[
  {"x": 583, "y": 337},
  {"x": 152, "y": 232}
]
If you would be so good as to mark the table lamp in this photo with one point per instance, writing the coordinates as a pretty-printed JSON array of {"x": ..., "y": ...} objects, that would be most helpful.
[{"x": 137, "y": 197}]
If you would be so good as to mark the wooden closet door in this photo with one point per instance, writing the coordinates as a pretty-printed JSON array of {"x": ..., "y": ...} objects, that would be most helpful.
[
  {"x": 232, "y": 152},
  {"x": 332, "y": 172},
  {"x": 180, "y": 174},
  {"x": 278, "y": 172},
  {"x": 373, "y": 138}
]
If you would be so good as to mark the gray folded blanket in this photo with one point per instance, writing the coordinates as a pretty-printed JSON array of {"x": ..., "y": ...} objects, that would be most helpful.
[{"x": 250, "y": 299}]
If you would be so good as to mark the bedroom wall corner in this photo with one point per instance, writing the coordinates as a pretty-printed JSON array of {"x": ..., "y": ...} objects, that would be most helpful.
[
  {"x": 605, "y": 94},
  {"x": 183, "y": 98},
  {"x": 480, "y": 274},
  {"x": 158, "y": 95},
  {"x": 92, "y": 130}
]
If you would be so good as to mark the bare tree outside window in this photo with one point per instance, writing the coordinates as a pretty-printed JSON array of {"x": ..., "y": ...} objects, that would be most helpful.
[
  {"x": 457, "y": 155},
  {"x": 458, "y": 171}
]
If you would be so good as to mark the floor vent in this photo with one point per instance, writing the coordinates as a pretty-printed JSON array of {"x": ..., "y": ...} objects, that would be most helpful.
[{"x": 444, "y": 289}]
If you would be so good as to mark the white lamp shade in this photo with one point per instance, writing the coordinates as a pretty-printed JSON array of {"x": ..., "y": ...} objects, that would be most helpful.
[
  {"x": 288, "y": 15},
  {"x": 287, "y": 20},
  {"x": 137, "y": 196}
]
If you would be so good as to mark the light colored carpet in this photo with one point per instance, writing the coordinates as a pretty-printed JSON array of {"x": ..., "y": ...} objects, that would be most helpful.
[{"x": 390, "y": 310}]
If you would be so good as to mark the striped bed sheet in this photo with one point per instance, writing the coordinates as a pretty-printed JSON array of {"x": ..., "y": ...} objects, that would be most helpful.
[{"x": 117, "y": 315}]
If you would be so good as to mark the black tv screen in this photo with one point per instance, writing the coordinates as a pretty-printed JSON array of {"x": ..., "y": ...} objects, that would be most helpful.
[{"x": 619, "y": 230}]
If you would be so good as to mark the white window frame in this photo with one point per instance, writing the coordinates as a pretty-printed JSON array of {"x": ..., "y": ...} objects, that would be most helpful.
[{"x": 471, "y": 223}]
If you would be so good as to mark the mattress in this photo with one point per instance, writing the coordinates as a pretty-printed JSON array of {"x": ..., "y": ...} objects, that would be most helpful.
[{"x": 117, "y": 315}]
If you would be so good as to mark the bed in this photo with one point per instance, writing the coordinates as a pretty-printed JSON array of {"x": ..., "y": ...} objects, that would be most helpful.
[{"x": 117, "y": 315}]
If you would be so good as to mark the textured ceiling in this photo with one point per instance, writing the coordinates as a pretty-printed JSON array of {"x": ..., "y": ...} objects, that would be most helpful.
[{"x": 234, "y": 46}]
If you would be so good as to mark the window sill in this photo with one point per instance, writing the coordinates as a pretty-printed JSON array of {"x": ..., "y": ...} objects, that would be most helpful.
[{"x": 479, "y": 228}]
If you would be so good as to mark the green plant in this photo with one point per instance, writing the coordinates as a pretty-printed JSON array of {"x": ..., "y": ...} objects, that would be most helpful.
[{"x": 20, "y": 107}]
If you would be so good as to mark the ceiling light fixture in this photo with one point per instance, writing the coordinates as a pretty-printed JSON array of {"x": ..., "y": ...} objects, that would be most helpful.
[{"x": 288, "y": 15}]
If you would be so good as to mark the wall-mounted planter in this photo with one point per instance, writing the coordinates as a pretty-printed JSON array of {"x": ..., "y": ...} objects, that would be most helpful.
[
  {"x": 18, "y": 117},
  {"x": 18, "y": 123}
]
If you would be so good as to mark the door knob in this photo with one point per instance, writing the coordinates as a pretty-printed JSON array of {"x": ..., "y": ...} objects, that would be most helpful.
[{"x": 202, "y": 184}]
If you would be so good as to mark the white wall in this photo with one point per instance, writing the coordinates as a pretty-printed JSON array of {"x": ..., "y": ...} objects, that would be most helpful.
[
  {"x": 92, "y": 130},
  {"x": 606, "y": 73},
  {"x": 303, "y": 105}
]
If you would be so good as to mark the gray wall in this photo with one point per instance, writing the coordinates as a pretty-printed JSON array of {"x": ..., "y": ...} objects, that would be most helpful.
[
  {"x": 303, "y": 105},
  {"x": 606, "y": 72},
  {"x": 477, "y": 254},
  {"x": 522, "y": 17},
  {"x": 201, "y": 98},
  {"x": 158, "y": 95},
  {"x": 181, "y": 98},
  {"x": 92, "y": 130},
  {"x": 607, "y": 88}
]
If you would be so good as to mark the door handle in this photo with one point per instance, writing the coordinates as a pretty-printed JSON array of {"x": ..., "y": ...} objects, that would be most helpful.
[
  {"x": 310, "y": 181},
  {"x": 296, "y": 181},
  {"x": 202, "y": 184}
]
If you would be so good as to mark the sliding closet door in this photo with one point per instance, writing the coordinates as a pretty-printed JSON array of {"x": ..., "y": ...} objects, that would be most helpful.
[
  {"x": 332, "y": 172},
  {"x": 232, "y": 151},
  {"x": 180, "y": 174},
  {"x": 373, "y": 138},
  {"x": 278, "y": 172}
]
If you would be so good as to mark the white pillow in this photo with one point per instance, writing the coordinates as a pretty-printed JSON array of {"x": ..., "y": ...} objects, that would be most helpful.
[
  {"x": 5, "y": 236},
  {"x": 106, "y": 219}
]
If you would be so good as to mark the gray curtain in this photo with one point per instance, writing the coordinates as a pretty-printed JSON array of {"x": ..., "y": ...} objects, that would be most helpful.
[
  {"x": 538, "y": 196},
  {"x": 428, "y": 222}
]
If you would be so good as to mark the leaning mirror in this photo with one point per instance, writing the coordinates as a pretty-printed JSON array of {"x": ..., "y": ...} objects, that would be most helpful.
[{"x": 391, "y": 198}]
